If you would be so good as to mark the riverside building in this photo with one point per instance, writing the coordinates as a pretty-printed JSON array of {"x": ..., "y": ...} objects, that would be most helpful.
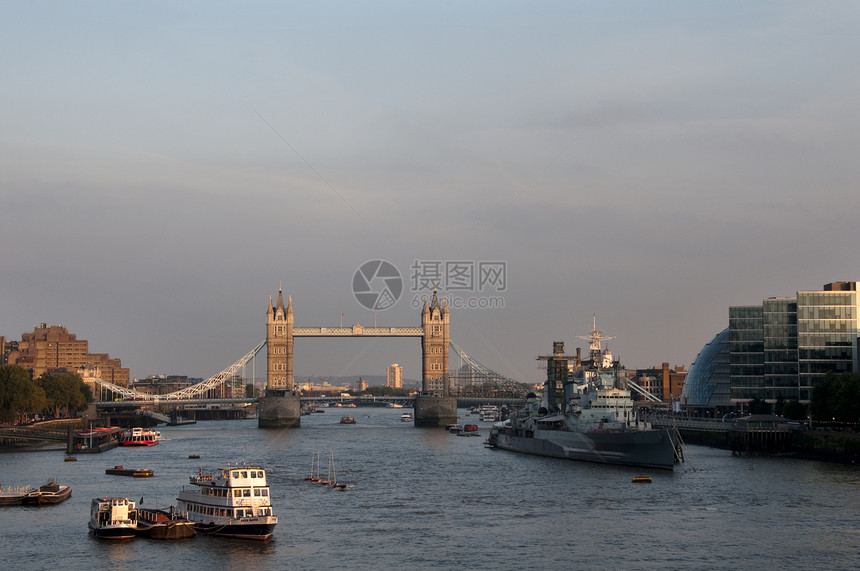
[
  {"x": 778, "y": 350},
  {"x": 51, "y": 348}
]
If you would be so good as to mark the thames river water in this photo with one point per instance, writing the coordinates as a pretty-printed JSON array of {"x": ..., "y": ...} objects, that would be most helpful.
[{"x": 422, "y": 498}]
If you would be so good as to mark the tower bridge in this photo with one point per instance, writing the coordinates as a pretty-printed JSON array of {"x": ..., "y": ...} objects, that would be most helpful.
[{"x": 435, "y": 405}]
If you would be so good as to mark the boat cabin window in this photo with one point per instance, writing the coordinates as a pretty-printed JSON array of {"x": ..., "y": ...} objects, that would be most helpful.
[
  {"x": 256, "y": 491},
  {"x": 246, "y": 492}
]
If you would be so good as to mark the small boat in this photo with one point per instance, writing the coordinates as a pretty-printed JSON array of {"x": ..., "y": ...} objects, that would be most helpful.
[
  {"x": 454, "y": 428},
  {"x": 331, "y": 480},
  {"x": 314, "y": 476},
  {"x": 49, "y": 494},
  {"x": 113, "y": 518},
  {"x": 641, "y": 479},
  {"x": 194, "y": 456},
  {"x": 232, "y": 501},
  {"x": 393, "y": 405},
  {"x": 70, "y": 459},
  {"x": 489, "y": 413},
  {"x": 406, "y": 417},
  {"x": 347, "y": 419},
  {"x": 14, "y": 496},
  {"x": 133, "y": 472},
  {"x": 139, "y": 437},
  {"x": 470, "y": 428},
  {"x": 164, "y": 524}
]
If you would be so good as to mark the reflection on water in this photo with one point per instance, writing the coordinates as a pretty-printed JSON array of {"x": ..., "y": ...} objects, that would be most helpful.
[{"x": 424, "y": 498}]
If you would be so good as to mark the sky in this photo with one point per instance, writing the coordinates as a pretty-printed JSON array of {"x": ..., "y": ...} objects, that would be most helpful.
[{"x": 164, "y": 166}]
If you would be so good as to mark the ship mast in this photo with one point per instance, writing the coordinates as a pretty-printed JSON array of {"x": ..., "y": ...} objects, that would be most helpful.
[{"x": 595, "y": 339}]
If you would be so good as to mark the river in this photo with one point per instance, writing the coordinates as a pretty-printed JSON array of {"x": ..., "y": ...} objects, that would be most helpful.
[{"x": 422, "y": 498}]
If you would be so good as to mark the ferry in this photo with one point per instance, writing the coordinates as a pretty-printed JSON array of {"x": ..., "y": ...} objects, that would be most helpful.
[
  {"x": 489, "y": 413},
  {"x": 139, "y": 437},
  {"x": 113, "y": 518},
  {"x": 232, "y": 501}
]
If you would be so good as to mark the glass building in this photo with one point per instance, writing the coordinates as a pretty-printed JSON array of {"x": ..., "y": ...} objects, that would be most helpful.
[
  {"x": 708, "y": 383},
  {"x": 781, "y": 348}
]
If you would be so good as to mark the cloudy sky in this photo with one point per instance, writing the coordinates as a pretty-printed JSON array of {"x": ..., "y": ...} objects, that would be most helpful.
[{"x": 165, "y": 165}]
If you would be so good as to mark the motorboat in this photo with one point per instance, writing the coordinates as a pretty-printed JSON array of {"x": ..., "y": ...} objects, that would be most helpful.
[
  {"x": 113, "y": 518},
  {"x": 406, "y": 417},
  {"x": 231, "y": 501},
  {"x": 347, "y": 419},
  {"x": 139, "y": 437}
]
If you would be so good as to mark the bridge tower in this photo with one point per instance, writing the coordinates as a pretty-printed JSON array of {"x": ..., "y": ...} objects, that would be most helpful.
[
  {"x": 279, "y": 343},
  {"x": 435, "y": 406},
  {"x": 436, "y": 322},
  {"x": 280, "y": 407}
]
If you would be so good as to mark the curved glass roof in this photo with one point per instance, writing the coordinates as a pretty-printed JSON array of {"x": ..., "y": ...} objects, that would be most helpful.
[{"x": 708, "y": 383}]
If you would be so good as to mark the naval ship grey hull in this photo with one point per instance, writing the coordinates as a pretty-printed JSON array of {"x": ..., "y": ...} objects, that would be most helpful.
[{"x": 646, "y": 448}]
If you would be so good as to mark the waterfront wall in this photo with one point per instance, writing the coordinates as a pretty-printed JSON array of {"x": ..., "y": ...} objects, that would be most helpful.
[{"x": 821, "y": 445}]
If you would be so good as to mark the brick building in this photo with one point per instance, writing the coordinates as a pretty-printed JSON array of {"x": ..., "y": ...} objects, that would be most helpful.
[{"x": 51, "y": 348}]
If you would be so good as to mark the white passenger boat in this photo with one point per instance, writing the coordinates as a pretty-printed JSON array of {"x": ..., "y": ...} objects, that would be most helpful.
[
  {"x": 139, "y": 437},
  {"x": 232, "y": 501},
  {"x": 113, "y": 518}
]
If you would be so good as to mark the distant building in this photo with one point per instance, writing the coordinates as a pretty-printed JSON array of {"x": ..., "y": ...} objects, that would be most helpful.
[
  {"x": 663, "y": 382},
  {"x": 780, "y": 349},
  {"x": 362, "y": 385},
  {"x": 162, "y": 384},
  {"x": 51, "y": 348},
  {"x": 394, "y": 376}
]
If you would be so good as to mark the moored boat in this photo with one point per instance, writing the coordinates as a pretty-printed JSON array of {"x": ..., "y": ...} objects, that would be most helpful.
[
  {"x": 48, "y": 494},
  {"x": 133, "y": 472},
  {"x": 14, "y": 496},
  {"x": 164, "y": 524},
  {"x": 113, "y": 518},
  {"x": 586, "y": 415},
  {"x": 231, "y": 501}
]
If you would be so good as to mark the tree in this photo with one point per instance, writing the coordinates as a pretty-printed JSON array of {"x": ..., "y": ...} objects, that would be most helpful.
[
  {"x": 793, "y": 410},
  {"x": 18, "y": 394},
  {"x": 65, "y": 392},
  {"x": 837, "y": 397},
  {"x": 758, "y": 406}
]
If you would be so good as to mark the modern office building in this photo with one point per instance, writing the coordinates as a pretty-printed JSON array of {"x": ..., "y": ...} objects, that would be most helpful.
[
  {"x": 394, "y": 376},
  {"x": 780, "y": 349}
]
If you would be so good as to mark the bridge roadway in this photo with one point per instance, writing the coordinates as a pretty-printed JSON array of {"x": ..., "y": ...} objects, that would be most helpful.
[{"x": 462, "y": 402}]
